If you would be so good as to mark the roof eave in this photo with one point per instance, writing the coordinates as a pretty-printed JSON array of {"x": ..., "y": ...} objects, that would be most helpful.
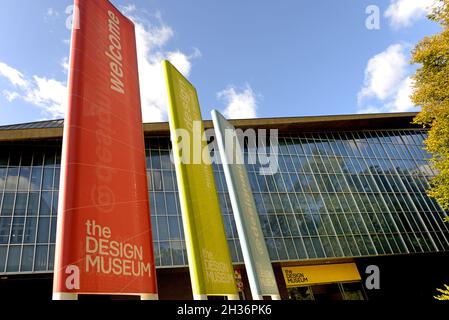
[{"x": 284, "y": 125}]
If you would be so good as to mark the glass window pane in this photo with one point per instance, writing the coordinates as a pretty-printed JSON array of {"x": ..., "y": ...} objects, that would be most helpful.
[
  {"x": 49, "y": 160},
  {"x": 154, "y": 227},
  {"x": 3, "y": 250},
  {"x": 43, "y": 229},
  {"x": 232, "y": 250},
  {"x": 13, "y": 259},
  {"x": 162, "y": 228},
  {"x": 27, "y": 258},
  {"x": 11, "y": 179},
  {"x": 318, "y": 247},
  {"x": 5, "y": 227},
  {"x": 56, "y": 178},
  {"x": 58, "y": 156},
  {"x": 53, "y": 230},
  {"x": 8, "y": 204},
  {"x": 300, "y": 293},
  {"x": 352, "y": 291},
  {"x": 2, "y": 177},
  {"x": 155, "y": 159},
  {"x": 165, "y": 160},
  {"x": 171, "y": 203},
  {"x": 54, "y": 210},
  {"x": 264, "y": 223},
  {"x": 280, "y": 246},
  {"x": 24, "y": 179},
  {"x": 177, "y": 251},
  {"x": 38, "y": 158},
  {"x": 36, "y": 177},
  {"x": 33, "y": 204},
  {"x": 160, "y": 204},
  {"x": 40, "y": 261},
  {"x": 47, "y": 181},
  {"x": 18, "y": 225},
  {"x": 30, "y": 230},
  {"x": 291, "y": 251},
  {"x": 168, "y": 180},
  {"x": 51, "y": 257},
  {"x": 174, "y": 227},
  {"x": 166, "y": 259},
  {"x": 4, "y": 155},
  {"x": 46, "y": 203},
  {"x": 272, "y": 249},
  {"x": 156, "y": 181},
  {"x": 21, "y": 204}
]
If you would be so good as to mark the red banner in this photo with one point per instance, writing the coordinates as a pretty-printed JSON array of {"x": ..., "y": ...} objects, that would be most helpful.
[{"x": 104, "y": 243}]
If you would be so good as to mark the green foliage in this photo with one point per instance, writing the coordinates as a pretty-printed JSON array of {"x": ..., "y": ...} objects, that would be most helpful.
[
  {"x": 444, "y": 293},
  {"x": 431, "y": 92}
]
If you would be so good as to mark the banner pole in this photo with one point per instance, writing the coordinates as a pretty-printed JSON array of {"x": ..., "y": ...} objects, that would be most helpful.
[
  {"x": 65, "y": 296},
  {"x": 254, "y": 249}
]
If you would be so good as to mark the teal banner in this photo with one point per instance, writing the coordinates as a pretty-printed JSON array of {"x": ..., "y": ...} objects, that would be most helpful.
[{"x": 254, "y": 249}]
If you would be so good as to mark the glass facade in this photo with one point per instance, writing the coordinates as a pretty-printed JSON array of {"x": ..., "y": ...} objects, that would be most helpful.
[
  {"x": 29, "y": 183},
  {"x": 336, "y": 194}
]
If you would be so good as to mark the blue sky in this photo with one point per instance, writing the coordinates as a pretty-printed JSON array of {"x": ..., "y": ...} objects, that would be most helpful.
[{"x": 247, "y": 58}]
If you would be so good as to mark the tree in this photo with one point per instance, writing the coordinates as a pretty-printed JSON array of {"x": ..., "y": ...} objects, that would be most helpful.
[
  {"x": 431, "y": 92},
  {"x": 444, "y": 293}
]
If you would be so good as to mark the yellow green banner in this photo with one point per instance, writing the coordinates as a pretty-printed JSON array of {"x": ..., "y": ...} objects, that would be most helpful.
[{"x": 210, "y": 263}]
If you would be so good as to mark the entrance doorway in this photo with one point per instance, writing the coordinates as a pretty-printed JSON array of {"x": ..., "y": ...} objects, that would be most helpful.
[{"x": 328, "y": 292}]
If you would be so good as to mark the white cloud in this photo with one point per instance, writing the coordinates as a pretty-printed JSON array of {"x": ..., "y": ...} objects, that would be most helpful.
[
  {"x": 384, "y": 73},
  {"x": 152, "y": 38},
  {"x": 14, "y": 76},
  {"x": 129, "y": 8},
  {"x": 387, "y": 86},
  {"x": 402, "y": 13},
  {"x": 239, "y": 105},
  {"x": 65, "y": 64},
  {"x": 48, "y": 94},
  {"x": 151, "y": 41},
  {"x": 51, "y": 12},
  {"x": 10, "y": 95},
  {"x": 402, "y": 100},
  {"x": 182, "y": 61}
]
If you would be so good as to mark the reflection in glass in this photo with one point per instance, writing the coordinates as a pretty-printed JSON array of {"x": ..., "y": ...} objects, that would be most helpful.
[
  {"x": 5, "y": 227},
  {"x": 352, "y": 291},
  {"x": 8, "y": 204},
  {"x": 30, "y": 230},
  {"x": 21, "y": 204},
  {"x": 3, "y": 251},
  {"x": 13, "y": 259},
  {"x": 17, "y": 228},
  {"x": 300, "y": 293},
  {"x": 27, "y": 258},
  {"x": 40, "y": 260},
  {"x": 43, "y": 230}
]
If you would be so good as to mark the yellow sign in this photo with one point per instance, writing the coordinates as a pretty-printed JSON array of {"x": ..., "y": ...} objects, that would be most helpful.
[
  {"x": 328, "y": 273},
  {"x": 210, "y": 263}
]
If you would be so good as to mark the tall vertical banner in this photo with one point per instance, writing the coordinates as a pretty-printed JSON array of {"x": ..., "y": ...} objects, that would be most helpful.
[
  {"x": 254, "y": 249},
  {"x": 210, "y": 263},
  {"x": 104, "y": 241}
]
